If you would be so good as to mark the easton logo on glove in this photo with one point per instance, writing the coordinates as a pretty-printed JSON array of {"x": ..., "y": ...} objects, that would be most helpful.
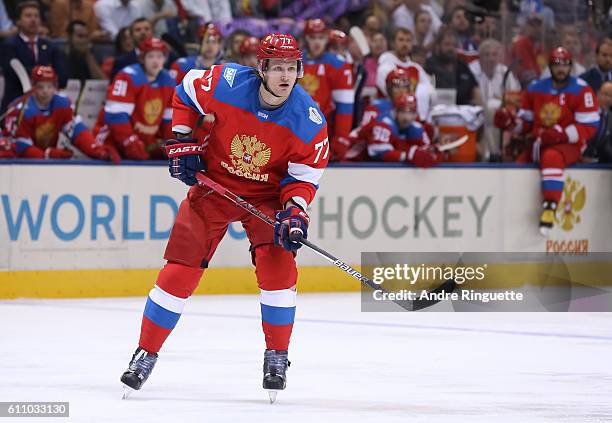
[{"x": 182, "y": 149}]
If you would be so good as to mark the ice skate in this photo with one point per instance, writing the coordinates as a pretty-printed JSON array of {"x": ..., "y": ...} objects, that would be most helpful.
[
  {"x": 138, "y": 372},
  {"x": 274, "y": 369},
  {"x": 548, "y": 217}
]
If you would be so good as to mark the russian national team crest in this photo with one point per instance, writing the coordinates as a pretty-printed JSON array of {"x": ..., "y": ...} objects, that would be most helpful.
[
  {"x": 310, "y": 83},
  {"x": 45, "y": 134},
  {"x": 248, "y": 155},
  {"x": 567, "y": 214},
  {"x": 152, "y": 110},
  {"x": 550, "y": 114}
]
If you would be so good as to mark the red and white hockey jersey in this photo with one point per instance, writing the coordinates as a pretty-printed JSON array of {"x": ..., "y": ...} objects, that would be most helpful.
[
  {"x": 253, "y": 151},
  {"x": 574, "y": 108},
  {"x": 329, "y": 81},
  {"x": 137, "y": 106}
]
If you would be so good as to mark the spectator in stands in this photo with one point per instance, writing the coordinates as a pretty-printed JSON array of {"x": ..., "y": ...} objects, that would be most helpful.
[
  {"x": 6, "y": 24},
  {"x": 600, "y": 146},
  {"x": 30, "y": 49},
  {"x": 233, "y": 43},
  {"x": 140, "y": 30},
  {"x": 459, "y": 23},
  {"x": 450, "y": 71},
  {"x": 378, "y": 45},
  {"x": 423, "y": 35},
  {"x": 404, "y": 12},
  {"x": 489, "y": 72},
  {"x": 62, "y": 12},
  {"x": 372, "y": 25},
  {"x": 208, "y": 10},
  {"x": 597, "y": 75},
  {"x": 124, "y": 43},
  {"x": 400, "y": 57},
  {"x": 81, "y": 62},
  {"x": 157, "y": 12},
  {"x": 210, "y": 50},
  {"x": 115, "y": 14},
  {"x": 419, "y": 55},
  {"x": 527, "y": 51}
]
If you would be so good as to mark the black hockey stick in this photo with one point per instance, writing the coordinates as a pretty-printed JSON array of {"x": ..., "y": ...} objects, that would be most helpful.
[{"x": 410, "y": 305}]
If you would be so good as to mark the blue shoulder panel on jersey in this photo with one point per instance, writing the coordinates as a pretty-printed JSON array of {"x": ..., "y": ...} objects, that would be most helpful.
[
  {"x": 384, "y": 108},
  {"x": 413, "y": 132},
  {"x": 185, "y": 64},
  {"x": 59, "y": 102},
  {"x": 135, "y": 73},
  {"x": 31, "y": 109},
  {"x": 545, "y": 86},
  {"x": 238, "y": 86},
  {"x": 165, "y": 79}
]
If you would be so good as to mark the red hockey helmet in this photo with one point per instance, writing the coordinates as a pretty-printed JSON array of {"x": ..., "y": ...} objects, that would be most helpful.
[
  {"x": 315, "y": 26},
  {"x": 405, "y": 102},
  {"x": 250, "y": 45},
  {"x": 152, "y": 44},
  {"x": 560, "y": 56},
  {"x": 279, "y": 46},
  {"x": 209, "y": 30},
  {"x": 338, "y": 38},
  {"x": 43, "y": 73},
  {"x": 398, "y": 77}
]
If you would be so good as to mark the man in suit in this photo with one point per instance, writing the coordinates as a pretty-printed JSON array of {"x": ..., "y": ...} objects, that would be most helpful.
[
  {"x": 600, "y": 146},
  {"x": 30, "y": 49},
  {"x": 597, "y": 75}
]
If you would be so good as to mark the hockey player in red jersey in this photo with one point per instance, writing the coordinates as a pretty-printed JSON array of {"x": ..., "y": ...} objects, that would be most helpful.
[
  {"x": 329, "y": 81},
  {"x": 42, "y": 115},
  {"x": 267, "y": 143},
  {"x": 209, "y": 54},
  {"x": 559, "y": 114},
  {"x": 137, "y": 116},
  {"x": 248, "y": 51},
  {"x": 397, "y": 136}
]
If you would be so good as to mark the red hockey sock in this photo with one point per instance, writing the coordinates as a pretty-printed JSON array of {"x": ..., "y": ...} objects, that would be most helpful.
[{"x": 165, "y": 303}]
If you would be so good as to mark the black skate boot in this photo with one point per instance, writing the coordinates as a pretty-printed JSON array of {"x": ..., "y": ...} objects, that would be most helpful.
[
  {"x": 274, "y": 370},
  {"x": 138, "y": 372}
]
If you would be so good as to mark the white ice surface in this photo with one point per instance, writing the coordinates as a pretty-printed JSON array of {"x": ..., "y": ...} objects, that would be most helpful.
[{"x": 348, "y": 366}]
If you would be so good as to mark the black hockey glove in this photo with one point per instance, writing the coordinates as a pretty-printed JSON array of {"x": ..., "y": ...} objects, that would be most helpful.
[{"x": 185, "y": 159}]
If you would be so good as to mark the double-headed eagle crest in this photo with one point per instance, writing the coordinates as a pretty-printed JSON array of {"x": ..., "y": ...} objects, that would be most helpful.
[
  {"x": 249, "y": 154},
  {"x": 574, "y": 198}
]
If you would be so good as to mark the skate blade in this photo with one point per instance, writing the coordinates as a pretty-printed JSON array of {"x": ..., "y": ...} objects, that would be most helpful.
[
  {"x": 127, "y": 391},
  {"x": 272, "y": 393},
  {"x": 544, "y": 231}
]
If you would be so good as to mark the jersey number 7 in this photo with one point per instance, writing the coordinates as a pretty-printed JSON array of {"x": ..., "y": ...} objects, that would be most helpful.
[{"x": 319, "y": 147}]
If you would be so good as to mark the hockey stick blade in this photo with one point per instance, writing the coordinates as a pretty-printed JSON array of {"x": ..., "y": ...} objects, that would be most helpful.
[
  {"x": 453, "y": 144},
  {"x": 448, "y": 286},
  {"x": 22, "y": 74},
  {"x": 357, "y": 34}
]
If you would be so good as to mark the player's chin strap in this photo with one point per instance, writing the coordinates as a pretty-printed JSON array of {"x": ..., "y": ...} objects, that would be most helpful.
[{"x": 268, "y": 89}]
